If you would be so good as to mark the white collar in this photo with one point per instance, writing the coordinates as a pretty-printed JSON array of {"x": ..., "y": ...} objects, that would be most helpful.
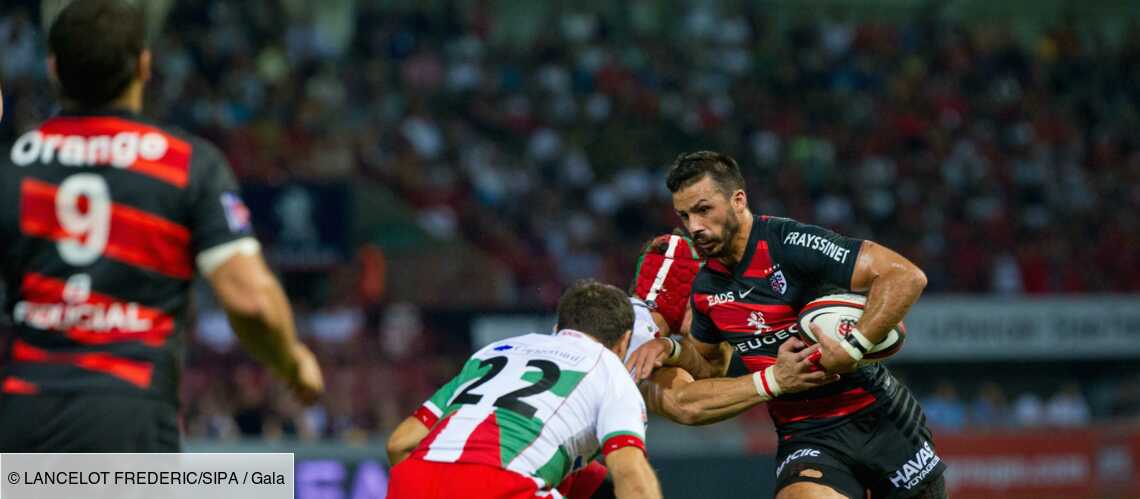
[{"x": 576, "y": 334}]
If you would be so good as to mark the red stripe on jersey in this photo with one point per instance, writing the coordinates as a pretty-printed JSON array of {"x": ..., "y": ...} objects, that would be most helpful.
[
  {"x": 425, "y": 416},
  {"x": 790, "y": 411},
  {"x": 757, "y": 363},
  {"x": 841, "y": 404},
  {"x": 173, "y": 167},
  {"x": 136, "y": 237},
  {"x": 744, "y": 318},
  {"x": 621, "y": 441},
  {"x": 135, "y": 372},
  {"x": 38, "y": 288},
  {"x": 483, "y": 445},
  {"x": 19, "y": 386},
  {"x": 425, "y": 444},
  {"x": 761, "y": 265}
]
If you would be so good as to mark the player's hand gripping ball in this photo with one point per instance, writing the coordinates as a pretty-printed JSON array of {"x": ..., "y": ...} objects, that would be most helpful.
[{"x": 837, "y": 314}]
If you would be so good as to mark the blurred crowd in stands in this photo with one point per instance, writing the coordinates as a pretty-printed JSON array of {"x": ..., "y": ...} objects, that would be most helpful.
[{"x": 999, "y": 163}]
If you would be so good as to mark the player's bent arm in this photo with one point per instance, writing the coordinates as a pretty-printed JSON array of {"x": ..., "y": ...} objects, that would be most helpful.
[
  {"x": 404, "y": 439},
  {"x": 260, "y": 314},
  {"x": 633, "y": 477},
  {"x": 674, "y": 394},
  {"x": 894, "y": 284},
  {"x": 703, "y": 360}
]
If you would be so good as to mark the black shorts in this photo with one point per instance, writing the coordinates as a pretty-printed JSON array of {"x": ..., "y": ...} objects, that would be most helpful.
[
  {"x": 86, "y": 422},
  {"x": 887, "y": 451}
]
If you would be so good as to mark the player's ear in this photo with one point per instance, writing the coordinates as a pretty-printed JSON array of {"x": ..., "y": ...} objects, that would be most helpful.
[
  {"x": 623, "y": 344},
  {"x": 739, "y": 201},
  {"x": 53, "y": 73},
  {"x": 143, "y": 73}
]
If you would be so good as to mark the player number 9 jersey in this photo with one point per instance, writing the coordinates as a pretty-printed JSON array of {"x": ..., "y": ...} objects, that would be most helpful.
[{"x": 538, "y": 405}]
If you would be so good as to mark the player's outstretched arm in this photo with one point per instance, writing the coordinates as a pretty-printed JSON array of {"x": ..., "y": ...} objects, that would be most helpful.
[
  {"x": 262, "y": 319},
  {"x": 404, "y": 439},
  {"x": 633, "y": 477},
  {"x": 674, "y": 394}
]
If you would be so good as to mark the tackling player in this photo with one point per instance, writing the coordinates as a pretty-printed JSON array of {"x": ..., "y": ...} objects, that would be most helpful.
[
  {"x": 526, "y": 411},
  {"x": 105, "y": 220},
  {"x": 864, "y": 433}
]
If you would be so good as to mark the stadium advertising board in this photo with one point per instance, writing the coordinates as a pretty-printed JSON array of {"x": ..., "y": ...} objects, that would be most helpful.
[
  {"x": 1030, "y": 329},
  {"x": 1042, "y": 464}
]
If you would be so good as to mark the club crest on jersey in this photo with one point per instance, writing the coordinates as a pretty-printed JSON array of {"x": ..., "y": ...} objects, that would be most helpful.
[
  {"x": 237, "y": 215},
  {"x": 779, "y": 284},
  {"x": 756, "y": 320}
]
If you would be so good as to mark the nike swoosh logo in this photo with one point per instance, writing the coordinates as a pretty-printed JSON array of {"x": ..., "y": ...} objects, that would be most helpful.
[{"x": 744, "y": 294}]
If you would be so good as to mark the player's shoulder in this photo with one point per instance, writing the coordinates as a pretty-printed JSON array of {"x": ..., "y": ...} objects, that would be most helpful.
[
  {"x": 712, "y": 277},
  {"x": 613, "y": 368},
  {"x": 777, "y": 225},
  {"x": 573, "y": 352}
]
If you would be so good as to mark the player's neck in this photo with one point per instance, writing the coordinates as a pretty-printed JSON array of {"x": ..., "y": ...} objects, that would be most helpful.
[
  {"x": 131, "y": 100},
  {"x": 739, "y": 243}
]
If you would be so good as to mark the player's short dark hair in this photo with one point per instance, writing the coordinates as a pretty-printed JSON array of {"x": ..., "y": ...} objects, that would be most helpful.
[
  {"x": 690, "y": 168},
  {"x": 599, "y": 310},
  {"x": 96, "y": 44}
]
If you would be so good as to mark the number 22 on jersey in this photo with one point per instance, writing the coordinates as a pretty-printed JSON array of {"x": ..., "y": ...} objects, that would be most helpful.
[{"x": 512, "y": 401}]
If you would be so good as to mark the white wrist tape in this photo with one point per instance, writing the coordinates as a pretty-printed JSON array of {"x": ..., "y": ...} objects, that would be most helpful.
[
  {"x": 855, "y": 354},
  {"x": 855, "y": 344},
  {"x": 765, "y": 382},
  {"x": 858, "y": 335},
  {"x": 676, "y": 352}
]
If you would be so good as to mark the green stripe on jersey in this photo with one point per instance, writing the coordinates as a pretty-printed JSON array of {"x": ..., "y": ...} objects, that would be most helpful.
[
  {"x": 516, "y": 433},
  {"x": 555, "y": 469},
  {"x": 471, "y": 371},
  {"x": 567, "y": 381}
]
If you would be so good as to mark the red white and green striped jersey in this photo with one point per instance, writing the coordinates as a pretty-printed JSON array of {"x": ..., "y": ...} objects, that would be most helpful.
[{"x": 539, "y": 405}]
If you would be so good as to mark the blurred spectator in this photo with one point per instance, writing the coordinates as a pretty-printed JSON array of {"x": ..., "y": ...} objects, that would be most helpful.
[
  {"x": 1067, "y": 407},
  {"x": 944, "y": 410},
  {"x": 1126, "y": 404},
  {"x": 1028, "y": 411},
  {"x": 989, "y": 408}
]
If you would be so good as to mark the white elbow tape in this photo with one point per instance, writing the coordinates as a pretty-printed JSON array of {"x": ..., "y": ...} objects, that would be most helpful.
[
  {"x": 209, "y": 260},
  {"x": 765, "y": 381}
]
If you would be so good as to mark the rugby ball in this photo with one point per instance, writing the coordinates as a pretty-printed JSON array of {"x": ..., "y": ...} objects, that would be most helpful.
[{"x": 836, "y": 314}]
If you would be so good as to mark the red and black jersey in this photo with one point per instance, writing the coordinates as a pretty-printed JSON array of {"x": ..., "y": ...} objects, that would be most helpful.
[
  {"x": 754, "y": 307},
  {"x": 101, "y": 219}
]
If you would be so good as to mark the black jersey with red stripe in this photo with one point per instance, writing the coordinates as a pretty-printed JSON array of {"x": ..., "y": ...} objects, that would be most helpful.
[
  {"x": 755, "y": 306},
  {"x": 101, "y": 218}
]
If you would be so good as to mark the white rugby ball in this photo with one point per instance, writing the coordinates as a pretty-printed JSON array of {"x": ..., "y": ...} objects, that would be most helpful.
[{"x": 836, "y": 314}]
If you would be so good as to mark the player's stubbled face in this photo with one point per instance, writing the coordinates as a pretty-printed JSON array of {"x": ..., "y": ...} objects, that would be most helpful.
[{"x": 708, "y": 216}]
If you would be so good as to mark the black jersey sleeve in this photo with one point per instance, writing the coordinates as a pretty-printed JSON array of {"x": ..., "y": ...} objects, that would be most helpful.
[
  {"x": 702, "y": 328},
  {"x": 217, "y": 213},
  {"x": 814, "y": 252}
]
